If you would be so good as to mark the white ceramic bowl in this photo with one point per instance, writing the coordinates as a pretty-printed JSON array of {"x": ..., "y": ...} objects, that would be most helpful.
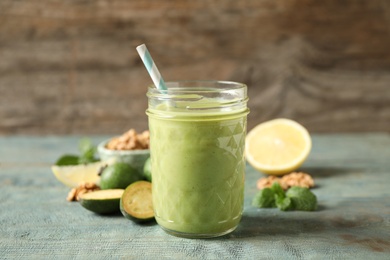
[{"x": 135, "y": 158}]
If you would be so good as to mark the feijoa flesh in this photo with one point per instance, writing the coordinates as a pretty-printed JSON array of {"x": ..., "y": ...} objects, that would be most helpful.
[{"x": 136, "y": 202}]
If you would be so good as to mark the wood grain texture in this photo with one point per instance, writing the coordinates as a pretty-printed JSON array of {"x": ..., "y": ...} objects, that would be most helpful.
[
  {"x": 71, "y": 66},
  {"x": 351, "y": 173}
]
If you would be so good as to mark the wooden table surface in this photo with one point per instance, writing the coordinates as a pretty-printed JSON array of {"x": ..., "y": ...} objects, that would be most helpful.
[{"x": 352, "y": 222}]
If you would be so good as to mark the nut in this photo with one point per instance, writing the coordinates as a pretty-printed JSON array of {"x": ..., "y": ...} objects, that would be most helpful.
[
  {"x": 300, "y": 179},
  {"x": 75, "y": 193},
  {"x": 130, "y": 141},
  {"x": 267, "y": 182}
]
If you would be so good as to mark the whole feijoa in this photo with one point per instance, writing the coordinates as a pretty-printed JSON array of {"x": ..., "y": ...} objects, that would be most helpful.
[{"x": 118, "y": 176}]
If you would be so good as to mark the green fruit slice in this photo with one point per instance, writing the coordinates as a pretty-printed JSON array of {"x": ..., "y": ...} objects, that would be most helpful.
[
  {"x": 136, "y": 202},
  {"x": 102, "y": 201}
]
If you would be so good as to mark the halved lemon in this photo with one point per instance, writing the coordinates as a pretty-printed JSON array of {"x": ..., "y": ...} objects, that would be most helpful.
[
  {"x": 74, "y": 175},
  {"x": 277, "y": 146}
]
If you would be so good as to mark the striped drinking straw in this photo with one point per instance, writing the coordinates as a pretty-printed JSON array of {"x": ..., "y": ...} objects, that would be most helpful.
[{"x": 151, "y": 67}]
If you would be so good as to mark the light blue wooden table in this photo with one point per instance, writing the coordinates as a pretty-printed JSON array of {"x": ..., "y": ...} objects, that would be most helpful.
[{"x": 352, "y": 173}]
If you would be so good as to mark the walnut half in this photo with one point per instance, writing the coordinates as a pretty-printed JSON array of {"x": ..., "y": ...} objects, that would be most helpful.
[{"x": 74, "y": 194}]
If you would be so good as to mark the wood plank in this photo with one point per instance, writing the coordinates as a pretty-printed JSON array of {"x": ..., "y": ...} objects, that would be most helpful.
[{"x": 71, "y": 67}]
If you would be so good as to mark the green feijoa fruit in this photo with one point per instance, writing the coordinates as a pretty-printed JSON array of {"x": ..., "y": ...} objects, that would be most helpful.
[{"x": 118, "y": 176}]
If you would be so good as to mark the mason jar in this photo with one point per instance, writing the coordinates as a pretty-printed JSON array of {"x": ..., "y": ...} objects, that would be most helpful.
[{"x": 197, "y": 137}]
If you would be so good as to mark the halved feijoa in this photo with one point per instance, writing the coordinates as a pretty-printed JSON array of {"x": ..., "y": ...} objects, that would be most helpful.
[
  {"x": 102, "y": 201},
  {"x": 136, "y": 202}
]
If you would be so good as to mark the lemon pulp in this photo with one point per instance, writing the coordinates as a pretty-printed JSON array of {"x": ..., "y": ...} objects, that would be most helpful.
[
  {"x": 73, "y": 175},
  {"x": 278, "y": 146}
]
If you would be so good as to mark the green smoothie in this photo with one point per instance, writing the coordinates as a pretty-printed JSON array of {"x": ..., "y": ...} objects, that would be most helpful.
[{"x": 198, "y": 166}]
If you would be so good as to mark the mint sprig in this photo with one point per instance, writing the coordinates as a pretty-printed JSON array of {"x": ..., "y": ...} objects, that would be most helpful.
[
  {"x": 87, "y": 154},
  {"x": 87, "y": 150},
  {"x": 296, "y": 198}
]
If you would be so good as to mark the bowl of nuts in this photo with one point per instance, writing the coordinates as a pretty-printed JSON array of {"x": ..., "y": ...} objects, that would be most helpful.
[{"x": 130, "y": 147}]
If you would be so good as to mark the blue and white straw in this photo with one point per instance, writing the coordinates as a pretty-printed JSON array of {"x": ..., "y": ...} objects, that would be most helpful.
[{"x": 151, "y": 67}]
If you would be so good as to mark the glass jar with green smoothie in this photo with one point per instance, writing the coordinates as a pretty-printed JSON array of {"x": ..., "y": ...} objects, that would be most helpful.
[{"x": 197, "y": 138}]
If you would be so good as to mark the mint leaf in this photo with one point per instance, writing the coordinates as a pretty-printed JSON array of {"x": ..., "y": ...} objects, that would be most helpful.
[
  {"x": 264, "y": 199},
  {"x": 87, "y": 150},
  {"x": 302, "y": 198},
  {"x": 86, "y": 147},
  {"x": 67, "y": 159},
  {"x": 85, "y": 160},
  {"x": 277, "y": 189},
  {"x": 283, "y": 203}
]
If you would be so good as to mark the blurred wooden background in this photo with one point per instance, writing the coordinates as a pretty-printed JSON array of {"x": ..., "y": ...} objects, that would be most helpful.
[{"x": 70, "y": 67}]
